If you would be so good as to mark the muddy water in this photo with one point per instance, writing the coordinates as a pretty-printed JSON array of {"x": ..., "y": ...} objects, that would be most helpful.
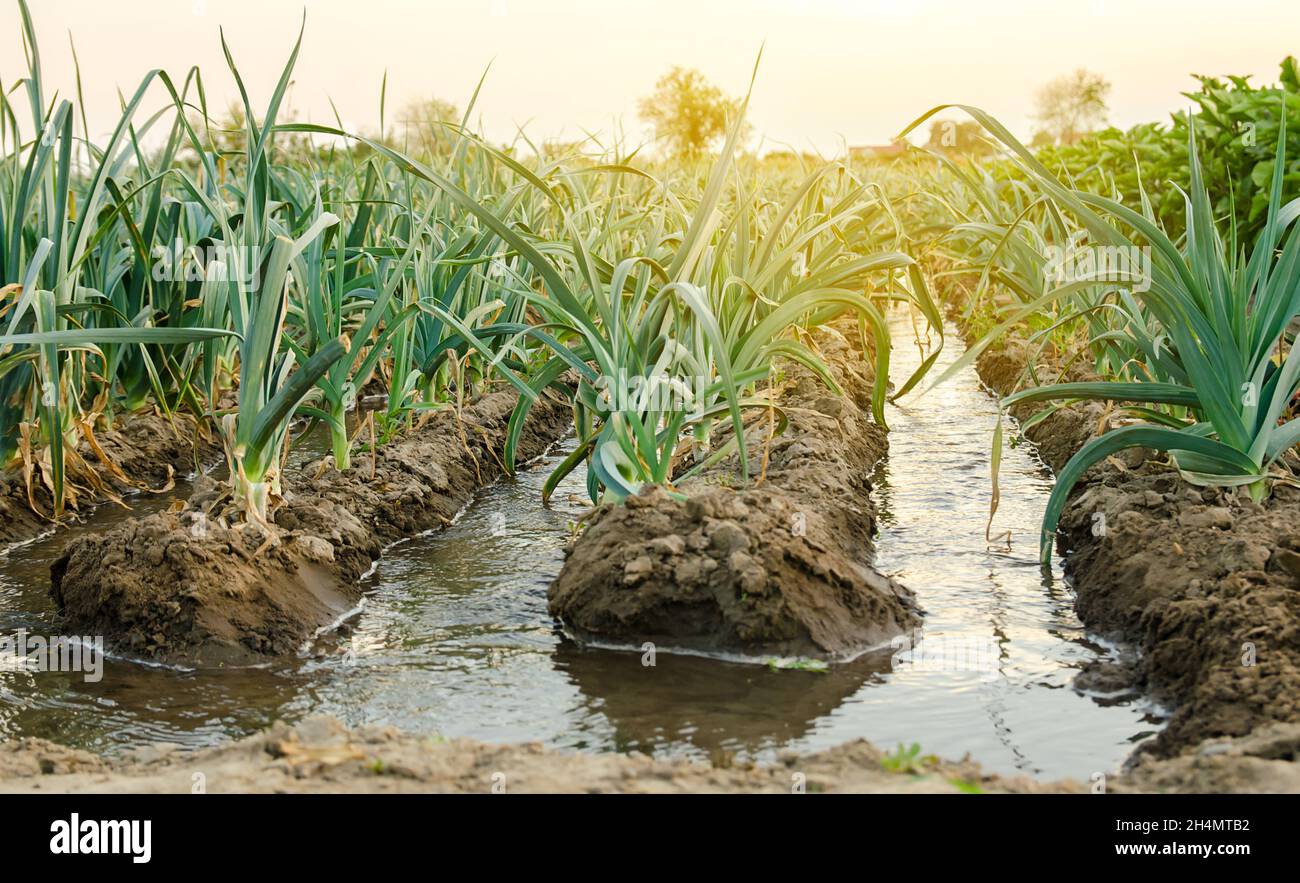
[
  {"x": 454, "y": 638},
  {"x": 1001, "y": 644}
]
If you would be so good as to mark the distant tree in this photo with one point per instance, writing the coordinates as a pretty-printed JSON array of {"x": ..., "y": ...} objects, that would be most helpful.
[
  {"x": 419, "y": 124},
  {"x": 227, "y": 134},
  {"x": 223, "y": 133},
  {"x": 1070, "y": 107},
  {"x": 1041, "y": 139},
  {"x": 965, "y": 138},
  {"x": 689, "y": 114}
]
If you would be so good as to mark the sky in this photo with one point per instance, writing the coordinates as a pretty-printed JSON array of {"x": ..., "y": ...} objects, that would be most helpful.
[{"x": 833, "y": 72}]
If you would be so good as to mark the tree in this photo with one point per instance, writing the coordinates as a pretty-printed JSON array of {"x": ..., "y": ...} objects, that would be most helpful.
[
  {"x": 419, "y": 125},
  {"x": 1070, "y": 107},
  {"x": 228, "y": 134},
  {"x": 689, "y": 114},
  {"x": 964, "y": 138}
]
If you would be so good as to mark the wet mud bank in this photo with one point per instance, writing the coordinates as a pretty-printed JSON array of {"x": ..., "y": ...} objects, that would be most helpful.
[
  {"x": 144, "y": 453},
  {"x": 322, "y": 755},
  {"x": 1262, "y": 762},
  {"x": 197, "y": 586},
  {"x": 781, "y": 567},
  {"x": 1201, "y": 582},
  {"x": 1206, "y": 584}
]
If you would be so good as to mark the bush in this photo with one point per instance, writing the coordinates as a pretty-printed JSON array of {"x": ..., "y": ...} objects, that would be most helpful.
[{"x": 1236, "y": 129}]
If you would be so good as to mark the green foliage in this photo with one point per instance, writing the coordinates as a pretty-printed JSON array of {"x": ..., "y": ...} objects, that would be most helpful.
[
  {"x": 908, "y": 760},
  {"x": 1237, "y": 126},
  {"x": 74, "y": 266},
  {"x": 287, "y": 266},
  {"x": 1221, "y": 313}
]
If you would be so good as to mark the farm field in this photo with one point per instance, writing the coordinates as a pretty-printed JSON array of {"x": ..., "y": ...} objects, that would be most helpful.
[{"x": 409, "y": 458}]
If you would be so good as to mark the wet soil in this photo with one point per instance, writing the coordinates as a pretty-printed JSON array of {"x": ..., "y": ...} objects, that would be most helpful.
[
  {"x": 143, "y": 453},
  {"x": 1204, "y": 583},
  {"x": 197, "y": 587},
  {"x": 781, "y": 567},
  {"x": 322, "y": 755},
  {"x": 1263, "y": 762}
]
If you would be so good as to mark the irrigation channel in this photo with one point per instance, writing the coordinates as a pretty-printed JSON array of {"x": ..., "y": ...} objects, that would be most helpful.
[{"x": 454, "y": 637}]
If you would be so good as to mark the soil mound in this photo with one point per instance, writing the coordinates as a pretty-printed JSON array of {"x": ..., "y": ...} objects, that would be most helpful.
[
  {"x": 1206, "y": 584},
  {"x": 197, "y": 588},
  {"x": 778, "y": 568}
]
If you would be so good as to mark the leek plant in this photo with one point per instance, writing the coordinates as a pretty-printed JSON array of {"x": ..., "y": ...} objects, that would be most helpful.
[
  {"x": 338, "y": 308},
  {"x": 709, "y": 296},
  {"x": 265, "y": 269},
  {"x": 62, "y": 221},
  {"x": 1223, "y": 311},
  {"x": 252, "y": 260}
]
